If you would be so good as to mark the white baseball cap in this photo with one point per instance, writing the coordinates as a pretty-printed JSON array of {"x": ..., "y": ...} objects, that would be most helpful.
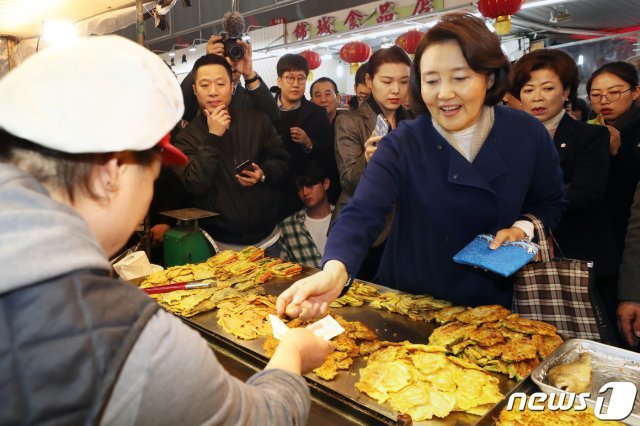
[{"x": 101, "y": 94}]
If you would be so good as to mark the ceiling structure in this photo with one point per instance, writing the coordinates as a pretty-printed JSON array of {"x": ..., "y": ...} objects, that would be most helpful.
[{"x": 23, "y": 18}]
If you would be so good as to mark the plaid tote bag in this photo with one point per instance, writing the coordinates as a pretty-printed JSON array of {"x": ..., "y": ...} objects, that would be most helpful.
[{"x": 561, "y": 292}]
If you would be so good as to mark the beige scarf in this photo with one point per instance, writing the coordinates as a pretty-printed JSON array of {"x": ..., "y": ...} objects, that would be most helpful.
[
  {"x": 483, "y": 127},
  {"x": 553, "y": 123}
]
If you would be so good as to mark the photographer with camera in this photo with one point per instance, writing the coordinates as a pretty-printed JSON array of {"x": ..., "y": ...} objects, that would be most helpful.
[{"x": 231, "y": 45}]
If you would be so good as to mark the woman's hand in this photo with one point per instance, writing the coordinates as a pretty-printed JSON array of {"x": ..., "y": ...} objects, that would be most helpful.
[
  {"x": 614, "y": 140},
  {"x": 509, "y": 234},
  {"x": 300, "y": 351},
  {"x": 370, "y": 147},
  {"x": 310, "y": 297}
]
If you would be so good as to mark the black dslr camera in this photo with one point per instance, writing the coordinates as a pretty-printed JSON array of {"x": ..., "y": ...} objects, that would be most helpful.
[{"x": 232, "y": 50}]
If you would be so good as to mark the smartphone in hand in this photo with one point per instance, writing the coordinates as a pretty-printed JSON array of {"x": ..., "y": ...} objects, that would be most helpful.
[
  {"x": 382, "y": 126},
  {"x": 245, "y": 165}
]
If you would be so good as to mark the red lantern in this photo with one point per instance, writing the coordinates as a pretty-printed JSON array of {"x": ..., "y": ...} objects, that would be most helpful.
[
  {"x": 354, "y": 53},
  {"x": 500, "y": 10},
  {"x": 409, "y": 41},
  {"x": 313, "y": 59}
]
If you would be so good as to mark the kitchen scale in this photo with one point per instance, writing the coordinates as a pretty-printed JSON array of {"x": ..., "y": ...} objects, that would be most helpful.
[{"x": 186, "y": 242}]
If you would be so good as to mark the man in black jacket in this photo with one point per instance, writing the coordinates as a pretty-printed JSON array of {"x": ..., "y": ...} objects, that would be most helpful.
[
  {"x": 255, "y": 94},
  {"x": 219, "y": 140},
  {"x": 304, "y": 127}
]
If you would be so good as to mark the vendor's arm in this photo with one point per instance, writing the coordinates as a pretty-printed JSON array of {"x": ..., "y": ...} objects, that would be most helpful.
[{"x": 173, "y": 377}]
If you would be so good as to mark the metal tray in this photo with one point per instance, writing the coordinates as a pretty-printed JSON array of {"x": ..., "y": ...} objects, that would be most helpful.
[
  {"x": 388, "y": 326},
  {"x": 608, "y": 364}
]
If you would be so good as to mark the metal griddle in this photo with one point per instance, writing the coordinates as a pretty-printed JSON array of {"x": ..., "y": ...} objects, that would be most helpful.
[{"x": 341, "y": 391}]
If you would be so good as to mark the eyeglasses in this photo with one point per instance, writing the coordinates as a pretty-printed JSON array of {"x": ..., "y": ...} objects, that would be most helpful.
[
  {"x": 292, "y": 79},
  {"x": 611, "y": 96}
]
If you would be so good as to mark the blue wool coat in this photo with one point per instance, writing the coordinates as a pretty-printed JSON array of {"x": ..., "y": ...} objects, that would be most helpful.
[{"x": 442, "y": 202}]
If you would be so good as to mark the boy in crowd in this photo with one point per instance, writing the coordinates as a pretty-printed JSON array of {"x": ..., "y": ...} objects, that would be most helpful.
[{"x": 304, "y": 233}]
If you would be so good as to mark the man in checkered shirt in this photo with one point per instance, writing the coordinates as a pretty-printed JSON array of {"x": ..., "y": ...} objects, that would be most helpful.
[{"x": 304, "y": 233}]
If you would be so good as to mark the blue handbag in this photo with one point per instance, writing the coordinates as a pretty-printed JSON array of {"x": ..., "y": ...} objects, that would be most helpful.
[{"x": 505, "y": 260}]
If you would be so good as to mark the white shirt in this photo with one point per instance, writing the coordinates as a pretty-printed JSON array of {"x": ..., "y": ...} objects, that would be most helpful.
[{"x": 318, "y": 229}]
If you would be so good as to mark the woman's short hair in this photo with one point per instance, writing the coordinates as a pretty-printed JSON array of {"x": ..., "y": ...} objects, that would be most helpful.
[
  {"x": 480, "y": 48},
  {"x": 389, "y": 55},
  {"x": 69, "y": 173},
  {"x": 623, "y": 70},
  {"x": 553, "y": 59}
]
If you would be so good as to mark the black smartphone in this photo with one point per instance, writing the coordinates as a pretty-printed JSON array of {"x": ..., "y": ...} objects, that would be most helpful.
[{"x": 245, "y": 165}]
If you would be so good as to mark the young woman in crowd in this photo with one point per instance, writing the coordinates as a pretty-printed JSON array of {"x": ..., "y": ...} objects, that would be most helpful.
[
  {"x": 613, "y": 90},
  {"x": 388, "y": 78},
  {"x": 545, "y": 81},
  {"x": 451, "y": 174},
  {"x": 78, "y": 158}
]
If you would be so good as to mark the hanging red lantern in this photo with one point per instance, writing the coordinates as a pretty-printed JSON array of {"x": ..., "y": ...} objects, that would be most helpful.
[
  {"x": 409, "y": 41},
  {"x": 313, "y": 59},
  {"x": 355, "y": 53},
  {"x": 500, "y": 10}
]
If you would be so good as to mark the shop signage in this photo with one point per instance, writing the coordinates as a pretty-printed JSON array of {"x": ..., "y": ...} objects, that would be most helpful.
[{"x": 368, "y": 14}]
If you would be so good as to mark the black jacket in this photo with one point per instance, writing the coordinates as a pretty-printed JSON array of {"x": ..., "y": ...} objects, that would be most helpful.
[
  {"x": 624, "y": 173},
  {"x": 585, "y": 231},
  {"x": 313, "y": 119},
  {"x": 260, "y": 99},
  {"x": 629, "y": 283},
  {"x": 247, "y": 215}
]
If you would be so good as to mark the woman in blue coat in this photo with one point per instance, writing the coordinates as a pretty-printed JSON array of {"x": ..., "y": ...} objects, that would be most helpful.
[{"x": 464, "y": 168}]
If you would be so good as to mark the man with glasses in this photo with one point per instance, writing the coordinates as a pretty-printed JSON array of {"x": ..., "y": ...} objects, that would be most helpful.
[{"x": 304, "y": 127}]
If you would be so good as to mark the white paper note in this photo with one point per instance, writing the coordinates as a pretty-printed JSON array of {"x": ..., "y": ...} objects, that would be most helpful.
[{"x": 327, "y": 327}]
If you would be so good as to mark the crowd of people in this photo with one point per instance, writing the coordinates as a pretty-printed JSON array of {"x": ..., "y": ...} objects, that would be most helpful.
[{"x": 380, "y": 192}]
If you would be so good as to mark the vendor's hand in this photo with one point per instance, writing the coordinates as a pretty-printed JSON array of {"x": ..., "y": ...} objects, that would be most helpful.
[
  {"x": 509, "y": 234},
  {"x": 629, "y": 321},
  {"x": 310, "y": 297},
  {"x": 301, "y": 347},
  {"x": 370, "y": 147},
  {"x": 218, "y": 120},
  {"x": 298, "y": 135},
  {"x": 245, "y": 65},
  {"x": 157, "y": 233},
  {"x": 215, "y": 46},
  {"x": 614, "y": 140},
  {"x": 248, "y": 178}
]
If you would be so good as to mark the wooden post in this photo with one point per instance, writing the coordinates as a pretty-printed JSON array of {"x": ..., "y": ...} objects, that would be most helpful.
[{"x": 139, "y": 23}]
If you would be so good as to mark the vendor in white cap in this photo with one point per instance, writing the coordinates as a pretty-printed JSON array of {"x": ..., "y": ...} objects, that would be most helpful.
[{"x": 82, "y": 135}]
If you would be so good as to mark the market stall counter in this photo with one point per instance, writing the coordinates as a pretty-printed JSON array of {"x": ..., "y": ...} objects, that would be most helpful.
[{"x": 338, "y": 397}]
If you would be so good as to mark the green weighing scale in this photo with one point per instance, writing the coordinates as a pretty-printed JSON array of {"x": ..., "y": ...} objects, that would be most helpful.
[{"x": 187, "y": 242}]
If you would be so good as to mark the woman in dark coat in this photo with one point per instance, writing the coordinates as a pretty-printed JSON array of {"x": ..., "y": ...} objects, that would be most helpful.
[
  {"x": 465, "y": 168},
  {"x": 544, "y": 81},
  {"x": 613, "y": 91}
]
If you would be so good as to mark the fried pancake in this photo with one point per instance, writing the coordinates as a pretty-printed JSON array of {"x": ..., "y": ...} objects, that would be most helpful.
[
  {"x": 482, "y": 314},
  {"x": 546, "y": 344},
  {"x": 221, "y": 258},
  {"x": 450, "y": 334},
  {"x": 449, "y": 314},
  {"x": 519, "y": 324},
  {"x": 520, "y": 370},
  {"x": 486, "y": 336}
]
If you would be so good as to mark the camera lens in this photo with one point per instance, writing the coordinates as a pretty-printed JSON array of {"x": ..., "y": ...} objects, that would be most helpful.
[{"x": 236, "y": 52}]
